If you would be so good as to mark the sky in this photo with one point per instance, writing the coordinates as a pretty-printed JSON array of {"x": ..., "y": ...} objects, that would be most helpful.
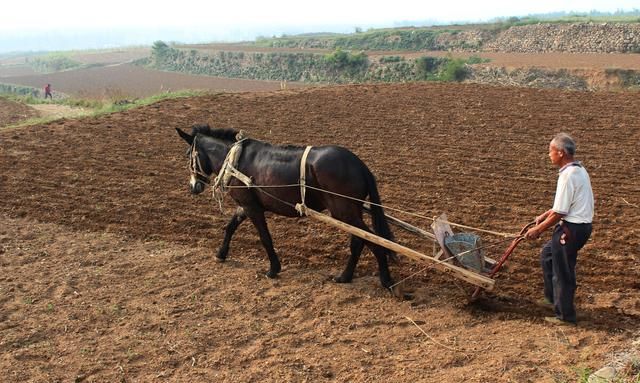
[{"x": 38, "y": 24}]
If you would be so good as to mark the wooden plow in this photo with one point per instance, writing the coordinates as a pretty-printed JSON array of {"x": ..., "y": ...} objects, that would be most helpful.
[{"x": 461, "y": 264}]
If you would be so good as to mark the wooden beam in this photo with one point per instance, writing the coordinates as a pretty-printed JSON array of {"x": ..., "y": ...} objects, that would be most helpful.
[{"x": 457, "y": 272}]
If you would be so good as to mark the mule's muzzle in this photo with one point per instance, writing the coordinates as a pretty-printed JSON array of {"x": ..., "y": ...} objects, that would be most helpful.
[{"x": 197, "y": 187}]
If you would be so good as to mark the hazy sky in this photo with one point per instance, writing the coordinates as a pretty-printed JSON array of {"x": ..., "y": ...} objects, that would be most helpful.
[
  {"x": 75, "y": 13},
  {"x": 236, "y": 20}
]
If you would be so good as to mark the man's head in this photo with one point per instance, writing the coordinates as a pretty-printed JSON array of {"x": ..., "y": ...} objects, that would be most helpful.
[{"x": 561, "y": 149}]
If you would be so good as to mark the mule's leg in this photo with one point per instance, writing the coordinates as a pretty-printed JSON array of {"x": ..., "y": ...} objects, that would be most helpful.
[
  {"x": 357, "y": 244},
  {"x": 378, "y": 251},
  {"x": 258, "y": 220},
  {"x": 233, "y": 224},
  {"x": 383, "y": 266}
]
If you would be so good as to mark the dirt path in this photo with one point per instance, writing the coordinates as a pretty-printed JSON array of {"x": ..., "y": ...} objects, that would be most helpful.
[{"x": 107, "y": 269}]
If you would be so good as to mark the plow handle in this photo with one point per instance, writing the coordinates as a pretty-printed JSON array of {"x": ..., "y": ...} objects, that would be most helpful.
[{"x": 506, "y": 255}]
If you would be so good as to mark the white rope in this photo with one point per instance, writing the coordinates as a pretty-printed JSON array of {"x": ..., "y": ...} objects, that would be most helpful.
[
  {"x": 501, "y": 234},
  {"x": 227, "y": 171},
  {"x": 420, "y": 271}
]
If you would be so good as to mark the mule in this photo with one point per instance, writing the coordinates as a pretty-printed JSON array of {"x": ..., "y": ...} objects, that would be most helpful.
[{"x": 330, "y": 168}]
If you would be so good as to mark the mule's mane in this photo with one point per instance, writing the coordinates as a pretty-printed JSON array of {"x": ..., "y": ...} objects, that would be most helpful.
[{"x": 222, "y": 134}]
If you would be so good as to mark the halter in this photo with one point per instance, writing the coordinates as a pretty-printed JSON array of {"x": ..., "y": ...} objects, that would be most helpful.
[
  {"x": 195, "y": 168},
  {"x": 227, "y": 170}
]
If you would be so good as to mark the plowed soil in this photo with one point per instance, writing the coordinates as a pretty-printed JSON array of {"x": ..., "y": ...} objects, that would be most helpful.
[
  {"x": 121, "y": 81},
  {"x": 13, "y": 112},
  {"x": 107, "y": 269}
]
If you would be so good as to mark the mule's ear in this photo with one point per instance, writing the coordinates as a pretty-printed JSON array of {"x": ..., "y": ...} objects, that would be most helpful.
[{"x": 185, "y": 136}]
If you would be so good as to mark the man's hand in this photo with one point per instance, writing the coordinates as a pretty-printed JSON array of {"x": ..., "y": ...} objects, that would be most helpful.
[{"x": 533, "y": 233}]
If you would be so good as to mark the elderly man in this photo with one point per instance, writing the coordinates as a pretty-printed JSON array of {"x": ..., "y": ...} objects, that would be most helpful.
[{"x": 571, "y": 214}]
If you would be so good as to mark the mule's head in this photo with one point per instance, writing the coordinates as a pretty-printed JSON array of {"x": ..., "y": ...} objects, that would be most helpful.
[{"x": 199, "y": 164}]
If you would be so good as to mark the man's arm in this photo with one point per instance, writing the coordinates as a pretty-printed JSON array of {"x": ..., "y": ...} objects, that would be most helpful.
[
  {"x": 543, "y": 216},
  {"x": 548, "y": 219}
]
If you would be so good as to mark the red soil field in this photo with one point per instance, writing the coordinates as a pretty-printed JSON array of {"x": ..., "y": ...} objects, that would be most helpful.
[
  {"x": 131, "y": 81},
  {"x": 107, "y": 267},
  {"x": 13, "y": 112}
]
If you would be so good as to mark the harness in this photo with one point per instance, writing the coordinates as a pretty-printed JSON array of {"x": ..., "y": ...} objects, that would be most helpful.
[
  {"x": 229, "y": 170},
  {"x": 195, "y": 168},
  {"x": 303, "y": 179}
]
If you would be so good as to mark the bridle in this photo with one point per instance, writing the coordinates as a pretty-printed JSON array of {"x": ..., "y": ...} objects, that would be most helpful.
[
  {"x": 195, "y": 168},
  {"x": 227, "y": 170}
]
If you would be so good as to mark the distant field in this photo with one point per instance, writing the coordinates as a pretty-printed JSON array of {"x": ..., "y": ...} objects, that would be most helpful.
[
  {"x": 16, "y": 70},
  {"x": 131, "y": 81},
  {"x": 116, "y": 79},
  {"x": 110, "y": 56}
]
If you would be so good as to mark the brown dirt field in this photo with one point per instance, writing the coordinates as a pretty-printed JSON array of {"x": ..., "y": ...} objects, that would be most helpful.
[
  {"x": 13, "y": 112},
  {"x": 131, "y": 81},
  {"x": 107, "y": 268},
  {"x": 14, "y": 71},
  {"x": 110, "y": 56}
]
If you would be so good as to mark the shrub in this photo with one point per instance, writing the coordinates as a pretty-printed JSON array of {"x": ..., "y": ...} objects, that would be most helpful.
[
  {"x": 159, "y": 47},
  {"x": 344, "y": 59},
  {"x": 391, "y": 59},
  {"x": 455, "y": 70},
  {"x": 53, "y": 63},
  {"x": 426, "y": 66},
  {"x": 476, "y": 60}
]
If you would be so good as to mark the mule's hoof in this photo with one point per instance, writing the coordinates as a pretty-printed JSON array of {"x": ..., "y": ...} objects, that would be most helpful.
[
  {"x": 220, "y": 260},
  {"x": 342, "y": 279},
  {"x": 398, "y": 291},
  {"x": 271, "y": 274}
]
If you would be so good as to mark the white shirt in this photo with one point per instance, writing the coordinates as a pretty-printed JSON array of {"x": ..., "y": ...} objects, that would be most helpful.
[{"x": 574, "y": 197}]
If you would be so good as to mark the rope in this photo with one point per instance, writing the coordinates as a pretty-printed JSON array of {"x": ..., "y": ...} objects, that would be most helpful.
[
  {"x": 228, "y": 170},
  {"x": 420, "y": 271},
  {"x": 500, "y": 234},
  {"x": 300, "y": 208}
]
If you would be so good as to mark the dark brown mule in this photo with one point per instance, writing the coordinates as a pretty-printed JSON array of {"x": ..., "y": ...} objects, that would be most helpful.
[{"x": 330, "y": 168}]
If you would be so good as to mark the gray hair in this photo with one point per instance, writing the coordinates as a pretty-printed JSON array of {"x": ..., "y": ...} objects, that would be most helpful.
[{"x": 564, "y": 142}]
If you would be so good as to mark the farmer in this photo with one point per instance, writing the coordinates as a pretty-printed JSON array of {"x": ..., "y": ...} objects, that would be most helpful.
[
  {"x": 570, "y": 217},
  {"x": 47, "y": 92}
]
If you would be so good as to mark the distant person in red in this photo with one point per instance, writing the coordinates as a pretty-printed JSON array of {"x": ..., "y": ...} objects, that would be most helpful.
[{"x": 47, "y": 92}]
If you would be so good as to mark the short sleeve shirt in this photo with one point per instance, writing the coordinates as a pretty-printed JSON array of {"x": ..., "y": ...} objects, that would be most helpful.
[{"x": 574, "y": 196}]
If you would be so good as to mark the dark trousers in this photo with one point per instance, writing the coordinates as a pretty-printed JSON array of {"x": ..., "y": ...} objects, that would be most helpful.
[{"x": 558, "y": 262}]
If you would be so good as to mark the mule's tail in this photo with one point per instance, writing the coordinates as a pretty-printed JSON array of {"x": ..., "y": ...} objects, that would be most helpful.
[{"x": 380, "y": 224}]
